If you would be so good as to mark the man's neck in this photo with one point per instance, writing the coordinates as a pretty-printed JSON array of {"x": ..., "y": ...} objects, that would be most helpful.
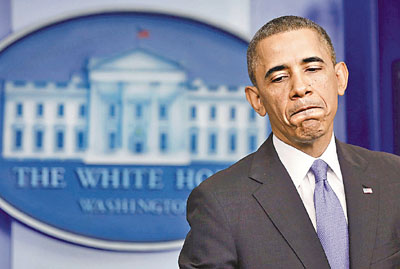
[{"x": 313, "y": 148}]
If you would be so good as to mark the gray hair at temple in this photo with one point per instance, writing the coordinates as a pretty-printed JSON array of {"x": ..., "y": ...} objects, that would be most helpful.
[{"x": 280, "y": 25}]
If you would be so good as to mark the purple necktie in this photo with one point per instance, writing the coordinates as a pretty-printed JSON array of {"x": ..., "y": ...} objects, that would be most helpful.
[{"x": 331, "y": 222}]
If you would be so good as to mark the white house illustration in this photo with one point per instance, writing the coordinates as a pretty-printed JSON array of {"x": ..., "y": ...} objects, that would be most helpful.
[{"x": 135, "y": 108}]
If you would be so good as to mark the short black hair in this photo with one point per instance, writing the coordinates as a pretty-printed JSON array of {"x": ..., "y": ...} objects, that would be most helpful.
[{"x": 280, "y": 25}]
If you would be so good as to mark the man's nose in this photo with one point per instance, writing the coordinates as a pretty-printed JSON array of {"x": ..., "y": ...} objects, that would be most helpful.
[{"x": 300, "y": 86}]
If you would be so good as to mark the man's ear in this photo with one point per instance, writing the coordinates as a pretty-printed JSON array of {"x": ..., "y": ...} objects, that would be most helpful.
[
  {"x": 253, "y": 97},
  {"x": 342, "y": 75}
]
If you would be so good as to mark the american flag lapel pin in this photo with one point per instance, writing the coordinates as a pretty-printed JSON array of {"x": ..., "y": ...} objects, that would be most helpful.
[{"x": 367, "y": 190}]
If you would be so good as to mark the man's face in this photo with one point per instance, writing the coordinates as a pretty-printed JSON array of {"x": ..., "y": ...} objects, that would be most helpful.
[{"x": 297, "y": 86}]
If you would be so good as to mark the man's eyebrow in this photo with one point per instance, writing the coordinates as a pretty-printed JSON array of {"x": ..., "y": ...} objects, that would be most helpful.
[
  {"x": 274, "y": 69},
  {"x": 282, "y": 67},
  {"x": 313, "y": 59}
]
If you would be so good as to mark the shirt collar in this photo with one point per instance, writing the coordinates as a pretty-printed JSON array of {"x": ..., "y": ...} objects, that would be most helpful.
[{"x": 298, "y": 163}]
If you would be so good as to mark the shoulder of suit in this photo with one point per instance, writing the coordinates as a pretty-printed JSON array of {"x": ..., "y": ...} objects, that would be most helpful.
[
  {"x": 383, "y": 159},
  {"x": 368, "y": 152},
  {"x": 233, "y": 177}
]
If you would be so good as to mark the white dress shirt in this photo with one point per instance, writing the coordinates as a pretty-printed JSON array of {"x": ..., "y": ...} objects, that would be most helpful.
[{"x": 298, "y": 164}]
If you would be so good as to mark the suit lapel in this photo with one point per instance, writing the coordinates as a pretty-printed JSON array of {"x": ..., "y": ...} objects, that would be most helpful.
[
  {"x": 281, "y": 202},
  {"x": 362, "y": 208}
]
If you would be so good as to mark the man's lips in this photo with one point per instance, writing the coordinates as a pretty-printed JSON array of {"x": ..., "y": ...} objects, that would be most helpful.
[{"x": 302, "y": 109}]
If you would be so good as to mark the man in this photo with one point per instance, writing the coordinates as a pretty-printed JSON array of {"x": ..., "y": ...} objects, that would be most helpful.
[{"x": 304, "y": 199}]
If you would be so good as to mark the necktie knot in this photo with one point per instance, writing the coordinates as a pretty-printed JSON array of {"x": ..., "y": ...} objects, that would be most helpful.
[{"x": 319, "y": 168}]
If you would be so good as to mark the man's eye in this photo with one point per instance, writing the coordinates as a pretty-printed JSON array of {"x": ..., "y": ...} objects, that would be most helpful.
[
  {"x": 313, "y": 69},
  {"x": 278, "y": 79}
]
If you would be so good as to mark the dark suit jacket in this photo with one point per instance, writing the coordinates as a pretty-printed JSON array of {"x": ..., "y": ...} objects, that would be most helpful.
[{"x": 251, "y": 216}]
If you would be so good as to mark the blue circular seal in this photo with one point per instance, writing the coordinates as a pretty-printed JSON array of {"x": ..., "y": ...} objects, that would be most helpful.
[{"x": 109, "y": 120}]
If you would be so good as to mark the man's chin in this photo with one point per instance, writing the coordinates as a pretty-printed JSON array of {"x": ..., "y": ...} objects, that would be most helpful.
[{"x": 309, "y": 136}]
